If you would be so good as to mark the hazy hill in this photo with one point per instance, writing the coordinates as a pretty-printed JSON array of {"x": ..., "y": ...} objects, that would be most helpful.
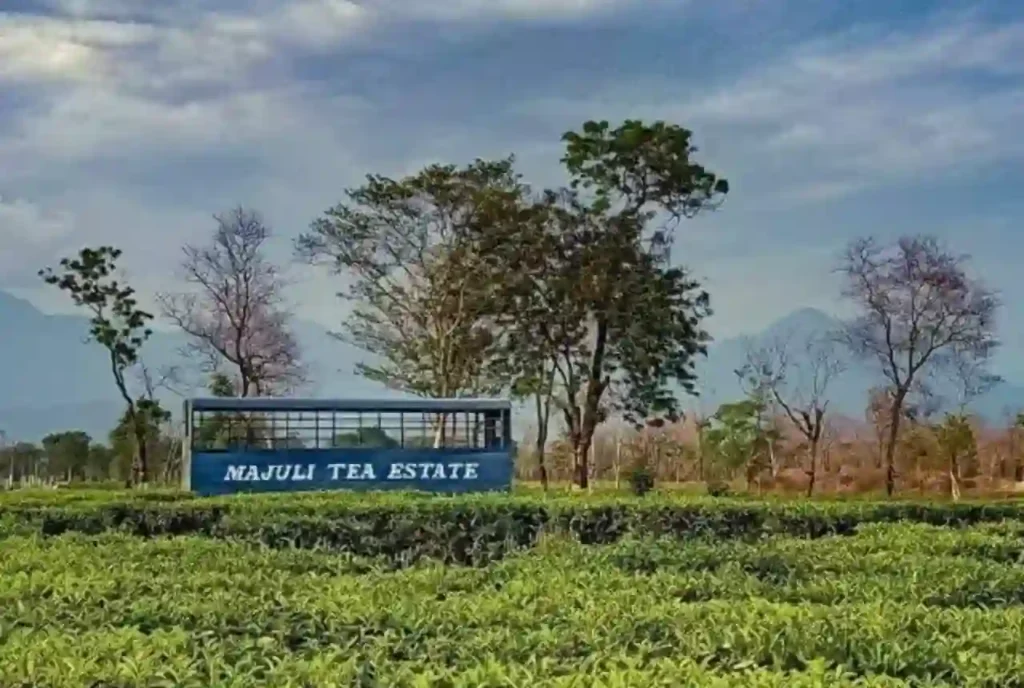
[{"x": 51, "y": 379}]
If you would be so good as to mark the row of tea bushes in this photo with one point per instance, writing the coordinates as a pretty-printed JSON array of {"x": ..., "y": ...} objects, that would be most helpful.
[
  {"x": 468, "y": 529},
  {"x": 880, "y": 608}
]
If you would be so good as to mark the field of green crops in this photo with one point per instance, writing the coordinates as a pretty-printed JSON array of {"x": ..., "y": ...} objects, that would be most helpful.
[{"x": 326, "y": 590}]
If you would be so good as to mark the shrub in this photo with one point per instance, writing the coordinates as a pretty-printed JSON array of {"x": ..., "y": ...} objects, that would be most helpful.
[{"x": 641, "y": 480}]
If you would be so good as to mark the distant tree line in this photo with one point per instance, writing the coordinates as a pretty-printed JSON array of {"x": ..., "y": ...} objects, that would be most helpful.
[{"x": 466, "y": 281}]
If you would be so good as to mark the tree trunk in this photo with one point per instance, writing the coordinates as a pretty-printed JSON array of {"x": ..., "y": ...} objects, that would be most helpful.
[
  {"x": 591, "y": 404},
  {"x": 812, "y": 471},
  {"x": 580, "y": 454},
  {"x": 618, "y": 462},
  {"x": 954, "y": 486},
  {"x": 890, "y": 449},
  {"x": 140, "y": 459},
  {"x": 543, "y": 408},
  {"x": 700, "y": 449},
  {"x": 541, "y": 466}
]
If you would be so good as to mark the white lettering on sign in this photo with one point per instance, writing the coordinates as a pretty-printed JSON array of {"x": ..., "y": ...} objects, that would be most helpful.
[
  {"x": 352, "y": 471},
  {"x": 252, "y": 473},
  {"x": 433, "y": 471},
  {"x": 426, "y": 471}
]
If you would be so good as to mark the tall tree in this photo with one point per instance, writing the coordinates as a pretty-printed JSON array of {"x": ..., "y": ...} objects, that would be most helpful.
[
  {"x": 592, "y": 282},
  {"x": 534, "y": 252},
  {"x": 116, "y": 322},
  {"x": 956, "y": 437},
  {"x": 800, "y": 388},
  {"x": 734, "y": 438},
  {"x": 235, "y": 315},
  {"x": 919, "y": 311},
  {"x": 20, "y": 461},
  {"x": 68, "y": 453},
  {"x": 146, "y": 422},
  {"x": 410, "y": 258}
]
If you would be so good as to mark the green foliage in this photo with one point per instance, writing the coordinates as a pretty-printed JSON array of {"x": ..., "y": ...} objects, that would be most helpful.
[
  {"x": 641, "y": 480},
  {"x": 734, "y": 435},
  {"x": 221, "y": 385},
  {"x": 892, "y": 604},
  {"x": 956, "y": 439},
  {"x": 647, "y": 333},
  {"x": 409, "y": 251},
  {"x": 635, "y": 164},
  {"x": 116, "y": 322},
  {"x": 718, "y": 488},
  {"x": 589, "y": 308},
  {"x": 68, "y": 453},
  {"x": 366, "y": 437},
  {"x": 468, "y": 529},
  {"x": 144, "y": 425},
  {"x": 20, "y": 460}
]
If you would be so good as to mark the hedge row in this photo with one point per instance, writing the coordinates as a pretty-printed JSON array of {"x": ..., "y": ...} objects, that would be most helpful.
[
  {"x": 895, "y": 605},
  {"x": 470, "y": 530}
]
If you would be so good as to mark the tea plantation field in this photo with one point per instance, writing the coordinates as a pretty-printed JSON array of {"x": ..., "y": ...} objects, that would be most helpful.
[{"x": 328, "y": 590}]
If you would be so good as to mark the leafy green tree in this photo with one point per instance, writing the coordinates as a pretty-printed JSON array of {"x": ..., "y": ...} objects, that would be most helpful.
[
  {"x": 958, "y": 445},
  {"x": 411, "y": 268},
  {"x": 733, "y": 436},
  {"x": 365, "y": 437},
  {"x": 212, "y": 432},
  {"x": 116, "y": 322},
  {"x": 101, "y": 461},
  {"x": 585, "y": 274},
  {"x": 145, "y": 425},
  {"x": 21, "y": 460},
  {"x": 68, "y": 453}
]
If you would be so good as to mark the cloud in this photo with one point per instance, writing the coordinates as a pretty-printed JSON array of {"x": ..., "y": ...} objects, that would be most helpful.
[
  {"x": 28, "y": 232},
  {"x": 134, "y": 121},
  {"x": 22, "y": 221},
  {"x": 862, "y": 108}
]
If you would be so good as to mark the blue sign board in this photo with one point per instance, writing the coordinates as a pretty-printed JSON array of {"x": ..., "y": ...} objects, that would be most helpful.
[{"x": 294, "y": 470}]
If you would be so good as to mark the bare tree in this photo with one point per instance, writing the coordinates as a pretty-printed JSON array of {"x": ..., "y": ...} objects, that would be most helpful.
[
  {"x": 799, "y": 390},
  {"x": 235, "y": 314},
  {"x": 919, "y": 312}
]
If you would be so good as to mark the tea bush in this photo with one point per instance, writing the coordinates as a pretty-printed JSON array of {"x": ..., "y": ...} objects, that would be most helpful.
[
  {"x": 465, "y": 530},
  {"x": 894, "y": 604}
]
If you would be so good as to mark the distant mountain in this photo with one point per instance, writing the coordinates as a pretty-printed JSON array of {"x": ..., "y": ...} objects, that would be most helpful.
[{"x": 52, "y": 380}]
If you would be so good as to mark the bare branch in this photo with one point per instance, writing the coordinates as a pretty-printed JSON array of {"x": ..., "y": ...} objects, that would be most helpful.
[
  {"x": 235, "y": 314},
  {"x": 920, "y": 313}
]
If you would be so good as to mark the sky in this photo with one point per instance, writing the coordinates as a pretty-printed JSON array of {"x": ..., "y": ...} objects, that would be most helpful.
[{"x": 131, "y": 123}]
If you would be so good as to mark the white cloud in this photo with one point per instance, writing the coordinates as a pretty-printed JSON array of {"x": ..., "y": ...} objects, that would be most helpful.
[
  {"x": 28, "y": 232},
  {"x": 87, "y": 123},
  {"x": 86, "y": 37},
  {"x": 47, "y": 48},
  {"x": 838, "y": 115},
  {"x": 153, "y": 84},
  {"x": 24, "y": 222},
  {"x": 530, "y": 10}
]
